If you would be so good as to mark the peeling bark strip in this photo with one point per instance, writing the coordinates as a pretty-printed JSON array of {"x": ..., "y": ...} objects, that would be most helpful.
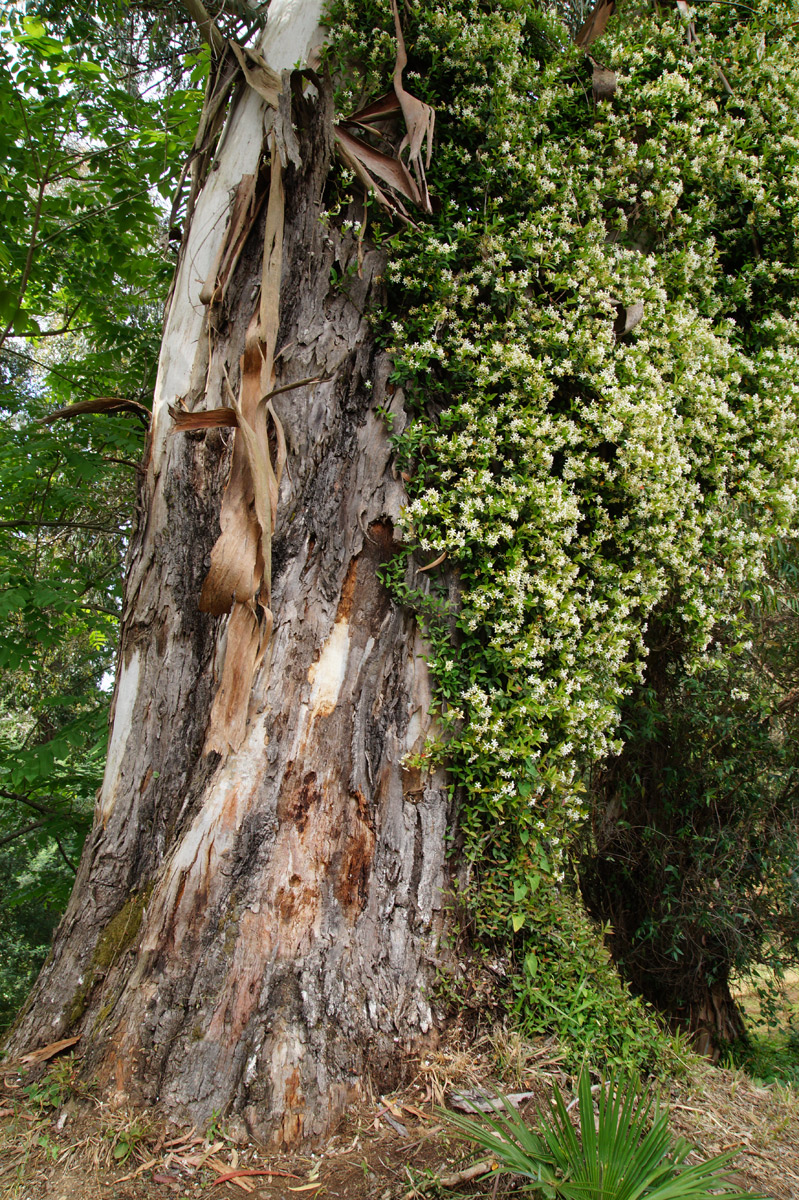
[
  {"x": 240, "y": 577},
  {"x": 253, "y": 931},
  {"x": 367, "y": 162}
]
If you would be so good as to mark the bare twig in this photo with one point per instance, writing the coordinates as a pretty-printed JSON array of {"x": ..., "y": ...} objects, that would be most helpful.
[{"x": 458, "y": 1177}]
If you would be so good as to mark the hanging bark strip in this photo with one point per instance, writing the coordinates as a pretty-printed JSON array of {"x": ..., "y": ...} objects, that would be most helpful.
[
  {"x": 240, "y": 577},
  {"x": 239, "y": 581},
  {"x": 370, "y": 164},
  {"x": 245, "y": 209},
  {"x": 420, "y": 118},
  {"x": 595, "y": 24}
]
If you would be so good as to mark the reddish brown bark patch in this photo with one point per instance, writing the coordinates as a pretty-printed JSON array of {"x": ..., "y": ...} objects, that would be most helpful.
[
  {"x": 354, "y": 872},
  {"x": 294, "y": 1101},
  {"x": 352, "y": 866},
  {"x": 382, "y": 536},
  {"x": 295, "y": 805},
  {"x": 347, "y": 591}
]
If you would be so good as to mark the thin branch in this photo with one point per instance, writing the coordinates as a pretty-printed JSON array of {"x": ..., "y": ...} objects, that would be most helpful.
[
  {"x": 124, "y": 462},
  {"x": 90, "y": 214},
  {"x": 58, "y": 525},
  {"x": 22, "y": 798},
  {"x": 18, "y": 833},
  {"x": 64, "y": 854},
  {"x": 66, "y": 327},
  {"x": 23, "y": 285},
  {"x": 206, "y": 25},
  {"x": 98, "y": 608},
  {"x": 43, "y": 333},
  {"x": 81, "y": 387}
]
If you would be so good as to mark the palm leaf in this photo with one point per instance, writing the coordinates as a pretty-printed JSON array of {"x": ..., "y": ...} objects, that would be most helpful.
[{"x": 625, "y": 1152}]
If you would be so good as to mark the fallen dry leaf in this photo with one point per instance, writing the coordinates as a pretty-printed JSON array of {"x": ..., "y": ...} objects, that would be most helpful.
[
  {"x": 139, "y": 1171},
  {"x": 435, "y": 563}
]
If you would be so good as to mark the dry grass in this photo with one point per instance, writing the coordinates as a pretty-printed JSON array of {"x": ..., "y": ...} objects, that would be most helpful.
[
  {"x": 396, "y": 1147},
  {"x": 722, "y": 1110}
]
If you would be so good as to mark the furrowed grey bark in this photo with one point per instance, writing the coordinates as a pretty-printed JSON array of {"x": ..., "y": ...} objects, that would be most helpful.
[{"x": 252, "y": 932}]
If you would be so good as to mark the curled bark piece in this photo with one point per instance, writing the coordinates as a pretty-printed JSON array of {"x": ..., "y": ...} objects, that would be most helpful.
[
  {"x": 627, "y": 317},
  {"x": 420, "y": 118},
  {"x": 209, "y": 418},
  {"x": 259, "y": 74},
  {"x": 240, "y": 577},
  {"x": 283, "y": 129},
  {"x": 353, "y": 161},
  {"x": 240, "y": 560},
  {"x": 595, "y": 24},
  {"x": 48, "y": 1052},
  {"x": 370, "y": 164},
  {"x": 603, "y": 81},
  {"x": 391, "y": 170},
  {"x": 255, "y": 441},
  {"x": 380, "y": 109},
  {"x": 236, "y": 567},
  {"x": 244, "y": 212},
  {"x": 227, "y": 724},
  {"x": 269, "y": 308}
]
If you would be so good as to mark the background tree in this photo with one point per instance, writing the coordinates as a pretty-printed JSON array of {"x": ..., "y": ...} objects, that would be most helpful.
[{"x": 694, "y": 855}]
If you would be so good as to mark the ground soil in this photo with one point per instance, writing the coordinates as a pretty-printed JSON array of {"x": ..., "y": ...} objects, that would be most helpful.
[{"x": 59, "y": 1142}]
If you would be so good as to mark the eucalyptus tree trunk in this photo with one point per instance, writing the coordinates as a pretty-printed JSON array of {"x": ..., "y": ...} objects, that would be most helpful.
[{"x": 259, "y": 905}]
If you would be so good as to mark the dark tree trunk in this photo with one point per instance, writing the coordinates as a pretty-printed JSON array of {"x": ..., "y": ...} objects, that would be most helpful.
[
  {"x": 639, "y": 878},
  {"x": 259, "y": 905},
  {"x": 714, "y": 1020}
]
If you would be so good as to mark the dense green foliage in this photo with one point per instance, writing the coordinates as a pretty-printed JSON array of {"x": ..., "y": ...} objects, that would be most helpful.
[{"x": 599, "y": 492}]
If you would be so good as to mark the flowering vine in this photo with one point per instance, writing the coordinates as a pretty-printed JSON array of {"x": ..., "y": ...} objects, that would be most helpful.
[{"x": 586, "y": 472}]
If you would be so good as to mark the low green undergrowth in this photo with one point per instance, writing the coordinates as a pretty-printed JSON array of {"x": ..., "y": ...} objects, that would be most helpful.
[{"x": 767, "y": 1056}]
